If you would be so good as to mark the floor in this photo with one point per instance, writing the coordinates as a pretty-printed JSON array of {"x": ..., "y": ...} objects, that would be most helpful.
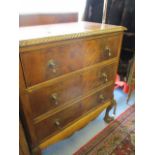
[{"x": 79, "y": 138}]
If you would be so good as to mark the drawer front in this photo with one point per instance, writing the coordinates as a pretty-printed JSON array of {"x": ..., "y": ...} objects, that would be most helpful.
[
  {"x": 43, "y": 64},
  {"x": 62, "y": 92},
  {"x": 59, "y": 121}
]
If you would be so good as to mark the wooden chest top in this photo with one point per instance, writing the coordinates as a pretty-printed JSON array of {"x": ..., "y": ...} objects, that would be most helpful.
[{"x": 50, "y": 33}]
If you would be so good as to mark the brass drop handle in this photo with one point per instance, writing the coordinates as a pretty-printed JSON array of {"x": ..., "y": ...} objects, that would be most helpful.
[
  {"x": 101, "y": 97},
  {"x": 57, "y": 123},
  {"x": 104, "y": 75},
  {"x": 108, "y": 51},
  {"x": 54, "y": 98},
  {"x": 52, "y": 65}
]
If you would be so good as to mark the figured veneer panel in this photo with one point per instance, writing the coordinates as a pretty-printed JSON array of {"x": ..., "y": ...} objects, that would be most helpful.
[
  {"x": 54, "y": 96},
  {"x": 60, "y": 120},
  {"x": 43, "y": 64}
]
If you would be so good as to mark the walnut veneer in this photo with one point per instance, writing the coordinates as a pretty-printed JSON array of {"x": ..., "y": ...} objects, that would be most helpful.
[{"x": 67, "y": 74}]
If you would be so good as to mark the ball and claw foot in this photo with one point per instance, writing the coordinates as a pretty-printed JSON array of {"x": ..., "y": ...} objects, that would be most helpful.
[{"x": 108, "y": 119}]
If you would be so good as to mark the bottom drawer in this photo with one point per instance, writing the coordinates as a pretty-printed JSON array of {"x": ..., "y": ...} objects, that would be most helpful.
[{"x": 60, "y": 120}]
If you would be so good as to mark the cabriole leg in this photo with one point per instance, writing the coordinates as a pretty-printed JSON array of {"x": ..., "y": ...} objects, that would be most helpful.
[{"x": 107, "y": 117}]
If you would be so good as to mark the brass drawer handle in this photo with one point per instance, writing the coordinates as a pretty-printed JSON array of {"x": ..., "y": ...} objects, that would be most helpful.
[
  {"x": 105, "y": 76},
  {"x": 57, "y": 123},
  {"x": 54, "y": 98},
  {"x": 52, "y": 65},
  {"x": 108, "y": 51},
  {"x": 101, "y": 97}
]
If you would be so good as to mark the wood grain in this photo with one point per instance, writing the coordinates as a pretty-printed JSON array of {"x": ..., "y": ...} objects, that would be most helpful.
[
  {"x": 75, "y": 126},
  {"x": 35, "y": 35},
  {"x": 85, "y": 57},
  {"x": 48, "y": 126},
  {"x": 67, "y": 58},
  {"x": 69, "y": 89},
  {"x": 69, "y": 75},
  {"x": 25, "y": 109},
  {"x": 23, "y": 146},
  {"x": 72, "y": 102}
]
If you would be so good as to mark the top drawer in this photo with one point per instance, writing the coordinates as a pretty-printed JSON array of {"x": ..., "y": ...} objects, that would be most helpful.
[{"x": 46, "y": 63}]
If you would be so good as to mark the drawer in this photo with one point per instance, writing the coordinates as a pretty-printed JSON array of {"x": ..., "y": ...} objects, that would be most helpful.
[
  {"x": 44, "y": 64},
  {"x": 59, "y": 121},
  {"x": 62, "y": 92}
]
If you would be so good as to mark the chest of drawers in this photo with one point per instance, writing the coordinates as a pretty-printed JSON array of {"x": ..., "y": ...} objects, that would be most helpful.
[{"x": 67, "y": 74}]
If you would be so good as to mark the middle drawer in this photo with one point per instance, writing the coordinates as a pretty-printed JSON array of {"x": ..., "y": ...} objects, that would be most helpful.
[{"x": 51, "y": 97}]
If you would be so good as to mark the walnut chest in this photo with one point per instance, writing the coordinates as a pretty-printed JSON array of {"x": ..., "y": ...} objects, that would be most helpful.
[{"x": 67, "y": 74}]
